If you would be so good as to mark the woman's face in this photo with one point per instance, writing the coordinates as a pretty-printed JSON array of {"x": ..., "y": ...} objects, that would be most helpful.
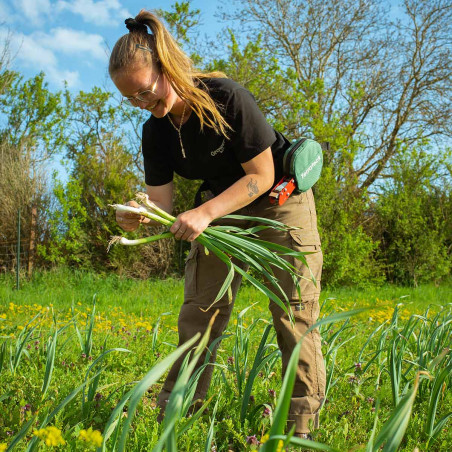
[{"x": 149, "y": 84}]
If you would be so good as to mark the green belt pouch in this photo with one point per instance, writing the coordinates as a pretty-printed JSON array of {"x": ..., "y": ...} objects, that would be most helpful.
[{"x": 303, "y": 161}]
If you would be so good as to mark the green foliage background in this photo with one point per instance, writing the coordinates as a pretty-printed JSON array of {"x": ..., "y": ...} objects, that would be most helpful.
[{"x": 393, "y": 224}]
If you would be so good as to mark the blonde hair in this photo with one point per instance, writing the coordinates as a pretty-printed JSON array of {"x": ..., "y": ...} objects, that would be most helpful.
[{"x": 173, "y": 62}]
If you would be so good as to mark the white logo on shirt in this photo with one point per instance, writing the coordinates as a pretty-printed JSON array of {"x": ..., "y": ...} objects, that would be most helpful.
[{"x": 219, "y": 150}]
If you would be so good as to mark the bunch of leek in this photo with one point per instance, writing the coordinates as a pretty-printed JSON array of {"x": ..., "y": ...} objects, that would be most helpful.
[{"x": 229, "y": 244}]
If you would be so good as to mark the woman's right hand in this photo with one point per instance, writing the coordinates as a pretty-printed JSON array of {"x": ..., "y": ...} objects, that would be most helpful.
[{"x": 129, "y": 221}]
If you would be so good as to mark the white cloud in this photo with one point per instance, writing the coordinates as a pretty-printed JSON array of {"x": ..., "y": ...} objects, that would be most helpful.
[
  {"x": 27, "y": 50},
  {"x": 41, "y": 47},
  {"x": 60, "y": 76},
  {"x": 40, "y": 40},
  {"x": 34, "y": 10},
  {"x": 67, "y": 41},
  {"x": 104, "y": 12},
  {"x": 37, "y": 51},
  {"x": 38, "y": 12}
]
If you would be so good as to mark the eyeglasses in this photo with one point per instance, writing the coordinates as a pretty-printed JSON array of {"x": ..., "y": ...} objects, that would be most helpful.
[{"x": 144, "y": 97}]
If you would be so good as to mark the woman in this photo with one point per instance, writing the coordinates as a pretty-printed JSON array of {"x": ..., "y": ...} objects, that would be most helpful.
[{"x": 205, "y": 126}]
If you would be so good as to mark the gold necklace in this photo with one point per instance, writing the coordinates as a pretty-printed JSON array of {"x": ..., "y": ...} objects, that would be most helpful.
[{"x": 178, "y": 130}]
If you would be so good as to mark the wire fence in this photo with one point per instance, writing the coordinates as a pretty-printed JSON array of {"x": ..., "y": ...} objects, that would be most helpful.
[
  {"x": 17, "y": 255},
  {"x": 9, "y": 257}
]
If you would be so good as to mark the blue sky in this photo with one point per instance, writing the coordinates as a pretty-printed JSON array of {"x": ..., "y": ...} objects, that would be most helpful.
[{"x": 69, "y": 39}]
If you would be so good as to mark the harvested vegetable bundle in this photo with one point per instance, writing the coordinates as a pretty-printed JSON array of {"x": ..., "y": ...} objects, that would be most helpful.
[{"x": 228, "y": 243}]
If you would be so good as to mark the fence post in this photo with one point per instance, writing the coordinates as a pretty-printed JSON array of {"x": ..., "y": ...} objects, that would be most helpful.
[
  {"x": 32, "y": 245},
  {"x": 18, "y": 249}
]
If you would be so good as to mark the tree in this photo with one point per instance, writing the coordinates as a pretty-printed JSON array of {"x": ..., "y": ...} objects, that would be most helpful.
[
  {"x": 35, "y": 117},
  {"x": 103, "y": 172},
  {"x": 369, "y": 85},
  {"x": 24, "y": 189},
  {"x": 6, "y": 76},
  {"x": 181, "y": 20},
  {"x": 31, "y": 131},
  {"x": 65, "y": 241},
  {"x": 386, "y": 82},
  {"x": 413, "y": 218},
  {"x": 101, "y": 165}
]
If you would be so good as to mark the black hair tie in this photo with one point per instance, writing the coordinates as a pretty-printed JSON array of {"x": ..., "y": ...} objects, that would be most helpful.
[{"x": 132, "y": 25}]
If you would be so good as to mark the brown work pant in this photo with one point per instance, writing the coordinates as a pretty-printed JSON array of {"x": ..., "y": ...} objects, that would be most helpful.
[{"x": 204, "y": 275}]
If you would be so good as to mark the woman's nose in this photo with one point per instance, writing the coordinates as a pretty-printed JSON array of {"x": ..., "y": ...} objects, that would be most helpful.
[{"x": 142, "y": 105}]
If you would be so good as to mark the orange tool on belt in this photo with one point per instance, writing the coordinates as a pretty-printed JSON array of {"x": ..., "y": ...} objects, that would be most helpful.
[
  {"x": 282, "y": 190},
  {"x": 302, "y": 165}
]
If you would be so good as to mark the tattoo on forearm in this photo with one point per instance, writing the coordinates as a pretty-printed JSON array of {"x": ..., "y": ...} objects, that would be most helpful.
[{"x": 252, "y": 188}]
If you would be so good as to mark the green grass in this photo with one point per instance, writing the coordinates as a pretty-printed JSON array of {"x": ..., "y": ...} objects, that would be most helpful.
[
  {"x": 418, "y": 298},
  {"x": 133, "y": 308},
  {"x": 60, "y": 287}
]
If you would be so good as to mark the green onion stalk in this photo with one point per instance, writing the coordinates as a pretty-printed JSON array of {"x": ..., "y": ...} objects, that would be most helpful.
[{"x": 231, "y": 244}]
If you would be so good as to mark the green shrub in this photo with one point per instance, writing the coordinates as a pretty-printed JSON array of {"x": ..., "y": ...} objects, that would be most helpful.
[{"x": 347, "y": 248}]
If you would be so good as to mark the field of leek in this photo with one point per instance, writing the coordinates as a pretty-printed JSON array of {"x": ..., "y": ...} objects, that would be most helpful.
[{"x": 82, "y": 359}]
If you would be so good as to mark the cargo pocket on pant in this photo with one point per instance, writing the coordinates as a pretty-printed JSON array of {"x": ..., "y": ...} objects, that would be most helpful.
[
  {"x": 191, "y": 264},
  {"x": 307, "y": 241}
]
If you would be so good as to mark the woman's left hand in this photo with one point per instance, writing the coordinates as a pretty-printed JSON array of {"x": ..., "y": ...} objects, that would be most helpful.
[{"x": 190, "y": 224}]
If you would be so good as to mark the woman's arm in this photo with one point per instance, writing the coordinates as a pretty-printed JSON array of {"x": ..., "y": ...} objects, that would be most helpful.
[
  {"x": 162, "y": 195},
  {"x": 259, "y": 178}
]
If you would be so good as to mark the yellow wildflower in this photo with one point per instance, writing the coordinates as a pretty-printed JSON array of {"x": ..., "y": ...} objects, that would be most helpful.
[
  {"x": 92, "y": 437},
  {"x": 145, "y": 325},
  {"x": 3, "y": 447},
  {"x": 279, "y": 447},
  {"x": 50, "y": 435}
]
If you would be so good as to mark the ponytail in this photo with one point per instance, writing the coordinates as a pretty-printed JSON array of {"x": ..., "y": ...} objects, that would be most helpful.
[{"x": 173, "y": 62}]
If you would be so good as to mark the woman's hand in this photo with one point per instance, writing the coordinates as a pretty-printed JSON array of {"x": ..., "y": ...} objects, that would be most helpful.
[
  {"x": 130, "y": 221},
  {"x": 190, "y": 224}
]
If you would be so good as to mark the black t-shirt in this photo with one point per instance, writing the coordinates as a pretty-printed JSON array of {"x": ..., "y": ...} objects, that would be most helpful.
[{"x": 209, "y": 156}]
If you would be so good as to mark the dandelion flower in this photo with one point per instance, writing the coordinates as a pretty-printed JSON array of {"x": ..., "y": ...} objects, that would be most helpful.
[
  {"x": 92, "y": 437},
  {"x": 279, "y": 447},
  {"x": 50, "y": 435}
]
